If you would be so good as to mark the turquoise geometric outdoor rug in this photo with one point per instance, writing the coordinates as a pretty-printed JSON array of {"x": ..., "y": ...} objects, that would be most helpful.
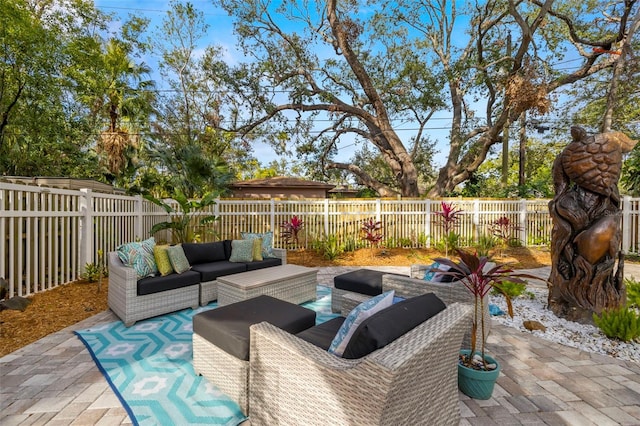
[{"x": 149, "y": 367}]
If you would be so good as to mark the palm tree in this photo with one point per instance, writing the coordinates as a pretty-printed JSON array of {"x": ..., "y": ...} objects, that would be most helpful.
[{"x": 117, "y": 90}]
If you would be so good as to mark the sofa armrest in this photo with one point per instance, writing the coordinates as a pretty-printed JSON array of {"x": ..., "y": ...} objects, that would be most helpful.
[
  {"x": 117, "y": 269},
  {"x": 281, "y": 254}
]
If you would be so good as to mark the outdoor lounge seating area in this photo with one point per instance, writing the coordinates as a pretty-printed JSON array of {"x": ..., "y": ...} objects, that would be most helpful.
[{"x": 542, "y": 382}]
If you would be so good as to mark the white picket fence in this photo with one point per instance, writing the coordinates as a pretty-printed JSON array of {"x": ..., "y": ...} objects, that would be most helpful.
[{"x": 49, "y": 234}]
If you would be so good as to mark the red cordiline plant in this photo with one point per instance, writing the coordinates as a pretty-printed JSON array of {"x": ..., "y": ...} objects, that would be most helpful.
[
  {"x": 503, "y": 229},
  {"x": 371, "y": 231},
  {"x": 470, "y": 270},
  {"x": 449, "y": 218},
  {"x": 291, "y": 229}
]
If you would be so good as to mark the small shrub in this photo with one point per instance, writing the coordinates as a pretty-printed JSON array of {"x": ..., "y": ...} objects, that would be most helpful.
[
  {"x": 485, "y": 244},
  {"x": 450, "y": 242},
  {"x": 93, "y": 272},
  {"x": 350, "y": 244},
  {"x": 619, "y": 323},
  {"x": 331, "y": 248},
  {"x": 633, "y": 292},
  {"x": 512, "y": 289}
]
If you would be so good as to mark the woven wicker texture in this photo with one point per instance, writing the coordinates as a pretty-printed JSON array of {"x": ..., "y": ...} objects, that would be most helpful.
[
  {"x": 227, "y": 372},
  {"x": 293, "y": 283},
  {"x": 412, "y": 381},
  {"x": 448, "y": 292},
  {"x": 124, "y": 301}
]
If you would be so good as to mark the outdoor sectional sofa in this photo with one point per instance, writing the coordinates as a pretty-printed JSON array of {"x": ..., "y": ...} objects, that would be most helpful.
[{"x": 134, "y": 300}]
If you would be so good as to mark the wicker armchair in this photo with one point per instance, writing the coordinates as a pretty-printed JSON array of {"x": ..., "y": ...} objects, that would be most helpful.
[
  {"x": 448, "y": 292},
  {"x": 413, "y": 380}
]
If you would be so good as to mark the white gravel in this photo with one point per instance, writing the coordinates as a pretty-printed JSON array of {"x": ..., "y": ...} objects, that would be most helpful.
[{"x": 585, "y": 337}]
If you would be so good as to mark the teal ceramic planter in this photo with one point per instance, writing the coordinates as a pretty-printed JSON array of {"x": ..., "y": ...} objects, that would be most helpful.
[{"x": 477, "y": 384}]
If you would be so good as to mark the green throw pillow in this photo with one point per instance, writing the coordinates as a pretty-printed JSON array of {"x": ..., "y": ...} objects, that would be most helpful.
[
  {"x": 241, "y": 251},
  {"x": 257, "y": 250},
  {"x": 161, "y": 255},
  {"x": 178, "y": 259},
  {"x": 267, "y": 241}
]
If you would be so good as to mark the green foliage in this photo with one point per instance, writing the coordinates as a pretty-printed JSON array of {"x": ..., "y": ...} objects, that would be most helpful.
[
  {"x": 485, "y": 244},
  {"x": 398, "y": 242},
  {"x": 449, "y": 242},
  {"x": 630, "y": 177},
  {"x": 329, "y": 247},
  {"x": 350, "y": 243},
  {"x": 183, "y": 230},
  {"x": 509, "y": 288},
  {"x": 619, "y": 323},
  {"x": 633, "y": 292},
  {"x": 93, "y": 272}
]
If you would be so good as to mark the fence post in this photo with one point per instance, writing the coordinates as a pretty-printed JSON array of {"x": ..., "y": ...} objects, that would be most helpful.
[
  {"x": 427, "y": 225},
  {"x": 476, "y": 219},
  {"x": 272, "y": 219},
  {"x": 523, "y": 220},
  {"x": 626, "y": 225},
  {"x": 326, "y": 216},
  {"x": 139, "y": 217},
  {"x": 378, "y": 209},
  {"x": 86, "y": 229}
]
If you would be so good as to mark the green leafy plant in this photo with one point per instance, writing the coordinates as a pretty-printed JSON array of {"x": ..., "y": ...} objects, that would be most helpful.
[
  {"x": 329, "y": 247},
  {"x": 485, "y": 244},
  {"x": 290, "y": 229},
  {"x": 619, "y": 323},
  {"x": 470, "y": 271},
  {"x": 350, "y": 244},
  {"x": 512, "y": 289},
  {"x": 183, "y": 231},
  {"x": 633, "y": 292},
  {"x": 448, "y": 219},
  {"x": 93, "y": 272},
  {"x": 451, "y": 241}
]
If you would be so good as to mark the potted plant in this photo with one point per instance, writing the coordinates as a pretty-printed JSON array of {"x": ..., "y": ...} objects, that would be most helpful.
[{"x": 477, "y": 371}]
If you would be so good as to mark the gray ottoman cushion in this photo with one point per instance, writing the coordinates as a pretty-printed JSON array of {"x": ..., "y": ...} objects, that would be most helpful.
[{"x": 227, "y": 327}]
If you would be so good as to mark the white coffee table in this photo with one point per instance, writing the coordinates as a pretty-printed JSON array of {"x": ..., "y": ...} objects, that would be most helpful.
[{"x": 293, "y": 283}]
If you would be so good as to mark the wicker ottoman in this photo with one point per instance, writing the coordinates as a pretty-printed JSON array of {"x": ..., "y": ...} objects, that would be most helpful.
[
  {"x": 293, "y": 283},
  {"x": 221, "y": 340}
]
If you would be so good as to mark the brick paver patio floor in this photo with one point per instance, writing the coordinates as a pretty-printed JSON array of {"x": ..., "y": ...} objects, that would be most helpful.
[{"x": 54, "y": 381}]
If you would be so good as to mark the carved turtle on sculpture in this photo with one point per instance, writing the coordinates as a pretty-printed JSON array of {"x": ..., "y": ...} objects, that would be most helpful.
[{"x": 594, "y": 162}]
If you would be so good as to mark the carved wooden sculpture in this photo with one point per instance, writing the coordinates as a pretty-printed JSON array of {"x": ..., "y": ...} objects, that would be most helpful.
[{"x": 587, "y": 265}]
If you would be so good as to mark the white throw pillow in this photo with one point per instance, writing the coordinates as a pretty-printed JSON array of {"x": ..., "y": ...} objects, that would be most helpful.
[{"x": 355, "y": 317}]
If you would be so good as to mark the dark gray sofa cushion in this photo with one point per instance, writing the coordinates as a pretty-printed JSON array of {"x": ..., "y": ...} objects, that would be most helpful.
[
  {"x": 227, "y": 327},
  {"x": 385, "y": 326},
  {"x": 212, "y": 270},
  {"x": 322, "y": 335},
  {"x": 265, "y": 263},
  {"x": 157, "y": 284},
  {"x": 204, "y": 252}
]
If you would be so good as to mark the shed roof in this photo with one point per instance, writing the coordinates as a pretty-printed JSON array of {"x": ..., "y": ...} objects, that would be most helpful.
[{"x": 279, "y": 182}]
